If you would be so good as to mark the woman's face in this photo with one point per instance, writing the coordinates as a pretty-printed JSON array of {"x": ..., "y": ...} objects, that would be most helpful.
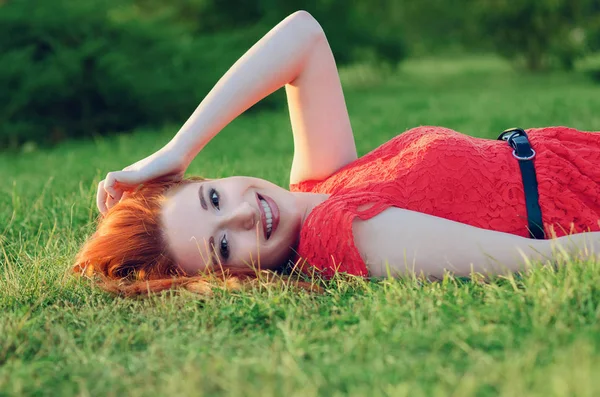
[{"x": 231, "y": 222}]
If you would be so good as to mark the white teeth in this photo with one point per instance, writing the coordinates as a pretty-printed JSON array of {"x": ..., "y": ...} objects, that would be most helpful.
[{"x": 268, "y": 215}]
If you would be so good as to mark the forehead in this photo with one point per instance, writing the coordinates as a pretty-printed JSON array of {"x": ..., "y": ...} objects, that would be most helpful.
[
  {"x": 181, "y": 197},
  {"x": 186, "y": 226}
]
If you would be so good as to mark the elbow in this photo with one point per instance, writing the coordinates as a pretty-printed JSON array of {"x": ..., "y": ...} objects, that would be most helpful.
[{"x": 306, "y": 24}]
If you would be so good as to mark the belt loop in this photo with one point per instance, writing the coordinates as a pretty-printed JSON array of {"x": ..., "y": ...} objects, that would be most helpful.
[{"x": 524, "y": 153}]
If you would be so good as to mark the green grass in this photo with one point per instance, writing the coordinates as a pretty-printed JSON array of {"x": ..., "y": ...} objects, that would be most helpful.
[{"x": 536, "y": 335}]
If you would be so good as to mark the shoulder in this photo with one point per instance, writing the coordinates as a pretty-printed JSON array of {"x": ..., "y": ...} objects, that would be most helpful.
[
  {"x": 383, "y": 159},
  {"x": 327, "y": 239},
  {"x": 328, "y": 184},
  {"x": 415, "y": 139}
]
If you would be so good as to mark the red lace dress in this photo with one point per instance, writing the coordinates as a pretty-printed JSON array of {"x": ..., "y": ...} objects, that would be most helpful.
[{"x": 441, "y": 172}]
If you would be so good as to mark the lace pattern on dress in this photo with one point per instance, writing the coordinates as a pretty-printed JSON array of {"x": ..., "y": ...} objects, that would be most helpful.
[{"x": 458, "y": 177}]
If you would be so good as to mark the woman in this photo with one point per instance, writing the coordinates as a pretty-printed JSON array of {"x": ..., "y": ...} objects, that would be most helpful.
[{"x": 427, "y": 201}]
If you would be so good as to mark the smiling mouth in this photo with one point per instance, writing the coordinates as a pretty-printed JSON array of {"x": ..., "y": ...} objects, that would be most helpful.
[{"x": 269, "y": 214}]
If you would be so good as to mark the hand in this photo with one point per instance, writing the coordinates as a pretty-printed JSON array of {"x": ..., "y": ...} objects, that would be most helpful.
[{"x": 166, "y": 164}]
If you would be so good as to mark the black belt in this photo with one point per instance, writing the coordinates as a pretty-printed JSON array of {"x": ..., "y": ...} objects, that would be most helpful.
[{"x": 517, "y": 139}]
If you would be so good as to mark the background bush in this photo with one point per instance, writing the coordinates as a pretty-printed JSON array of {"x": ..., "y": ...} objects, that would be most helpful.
[
  {"x": 80, "y": 68},
  {"x": 357, "y": 30},
  {"x": 540, "y": 34}
]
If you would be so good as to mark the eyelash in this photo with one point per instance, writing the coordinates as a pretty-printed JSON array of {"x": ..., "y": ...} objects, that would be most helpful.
[
  {"x": 214, "y": 198},
  {"x": 224, "y": 248}
]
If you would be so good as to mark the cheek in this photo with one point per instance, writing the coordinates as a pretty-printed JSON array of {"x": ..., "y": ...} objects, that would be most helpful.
[
  {"x": 191, "y": 256},
  {"x": 246, "y": 251}
]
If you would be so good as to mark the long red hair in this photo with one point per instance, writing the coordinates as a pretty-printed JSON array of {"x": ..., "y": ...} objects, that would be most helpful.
[{"x": 128, "y": 254}]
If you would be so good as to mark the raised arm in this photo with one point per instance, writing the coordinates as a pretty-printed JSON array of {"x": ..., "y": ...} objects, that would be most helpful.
[
  {"x": 405, "y": 241},
  {"x": 295, "y": 54}
]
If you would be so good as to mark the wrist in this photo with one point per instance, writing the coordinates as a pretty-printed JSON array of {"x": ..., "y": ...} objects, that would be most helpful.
[{"x": 185, "y": 153}]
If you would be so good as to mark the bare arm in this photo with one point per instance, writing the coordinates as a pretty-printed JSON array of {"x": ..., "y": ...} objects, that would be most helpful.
[
  {"x": 408, "y": 241},
  {"x": 295, "y": 53}
]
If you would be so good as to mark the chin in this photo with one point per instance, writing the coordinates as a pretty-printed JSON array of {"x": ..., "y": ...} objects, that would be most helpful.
[{"x": 278, "y": 260}]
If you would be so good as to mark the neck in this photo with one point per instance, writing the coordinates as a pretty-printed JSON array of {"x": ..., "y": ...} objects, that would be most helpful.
[{"x": 307, "y": 202}]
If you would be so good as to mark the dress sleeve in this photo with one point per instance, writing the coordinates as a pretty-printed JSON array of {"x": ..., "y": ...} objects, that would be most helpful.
[
  {"x": 304, "y": 186},
  {"x": 326, "y": 239}
]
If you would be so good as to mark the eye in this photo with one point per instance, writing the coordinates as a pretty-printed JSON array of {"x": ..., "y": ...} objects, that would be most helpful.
[
  {"x": 224, "y": 248},
  {"x": 214, "y": 198}
]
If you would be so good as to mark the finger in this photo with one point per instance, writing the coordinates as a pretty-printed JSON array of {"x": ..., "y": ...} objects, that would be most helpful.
[
  {"x": 101, "y": 198},
  {"x": 109, "y": 184},
  {"x": 118, "y": 181},
  {"x": 114, "y": 187},
  {"x": 131, "y": 178},
  {"x": 111, "y": 201}
]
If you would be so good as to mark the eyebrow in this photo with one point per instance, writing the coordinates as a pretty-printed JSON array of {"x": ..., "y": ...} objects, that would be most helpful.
[
  {"x": 201, "y": 195},
  {"x": 211, "y": 252}
]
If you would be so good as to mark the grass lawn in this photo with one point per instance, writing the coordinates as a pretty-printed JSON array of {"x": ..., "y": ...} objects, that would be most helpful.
[{"x": 534, "y": 335}]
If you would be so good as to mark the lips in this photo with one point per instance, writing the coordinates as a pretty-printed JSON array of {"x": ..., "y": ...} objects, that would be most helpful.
[{"x": 263, "y": 216}]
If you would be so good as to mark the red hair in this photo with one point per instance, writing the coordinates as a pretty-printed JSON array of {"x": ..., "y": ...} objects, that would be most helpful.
[{"x": 129, "y": 254}]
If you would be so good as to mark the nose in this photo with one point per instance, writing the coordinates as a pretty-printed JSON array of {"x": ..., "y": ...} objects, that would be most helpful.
[{"x": 243, "y": 217}]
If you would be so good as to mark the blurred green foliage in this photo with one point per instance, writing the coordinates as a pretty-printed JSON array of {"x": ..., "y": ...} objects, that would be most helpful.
[
  {"x": 349, "y": 24},
  {"x": 540, "y": 33},
  {"x": 80, "y": 68}
]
